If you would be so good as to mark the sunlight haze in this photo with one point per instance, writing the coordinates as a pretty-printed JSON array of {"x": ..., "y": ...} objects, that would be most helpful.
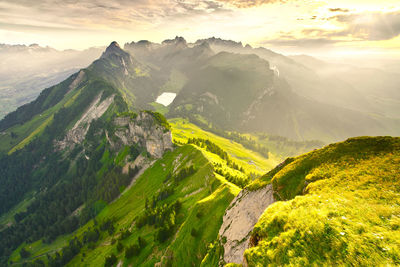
[{"x": 315, "y": 27}]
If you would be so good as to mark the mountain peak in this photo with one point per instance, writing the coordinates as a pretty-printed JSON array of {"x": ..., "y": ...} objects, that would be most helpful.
[
  {"x": 114, "y": 44},
  {"x": 113, "y": 48},
  {"x": 219, "y": 41},
  {"x": 143, "y": 44},
  {"x": 34, "y": 46},
  {"x": 177, "y": 41}
]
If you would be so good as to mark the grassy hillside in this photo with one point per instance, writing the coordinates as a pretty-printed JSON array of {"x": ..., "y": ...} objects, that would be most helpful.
[
  {"x": 251, "y": 161},
  {"x": 203, "y": 195},
  {"x": 343, "y": 207},
  {"x": 21, "y": 126}
]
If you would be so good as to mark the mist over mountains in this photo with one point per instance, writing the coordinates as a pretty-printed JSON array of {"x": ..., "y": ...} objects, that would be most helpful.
[
  {"x": 260, "y": 90},
  {"x": 194, "y": 154},
  {"x": 26, "y": 70},
  {"x": 311, "y": 99}
]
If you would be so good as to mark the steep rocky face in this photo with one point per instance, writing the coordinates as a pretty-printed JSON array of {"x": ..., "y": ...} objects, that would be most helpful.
[
  {"x": 239, "y": 220},
  {"x": 77, "y": 134},
  {"x": 144, "y": 131},
  {"x": 119, "y": 57}
]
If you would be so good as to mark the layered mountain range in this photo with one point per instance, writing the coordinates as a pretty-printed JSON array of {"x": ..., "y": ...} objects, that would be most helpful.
[
  {"x": 96, "y": 172},
  {"x": 241, "y": 88}
]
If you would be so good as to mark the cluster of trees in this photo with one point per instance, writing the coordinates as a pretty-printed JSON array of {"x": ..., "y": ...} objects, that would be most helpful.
[
  {"x": 162, "y": 217},
  {"x": 209, "y": 146},
  {"x": 234, "y": 136},
  {"x": 110, "y": 260},
  {"x": 237, "y": 180},
  {"x": 159, "y": 215},
  {"x": 163, "y": 194},
  {"x": 109, "y": 186},
  {"x": 67, "y": 253},
  {"x": 215, "y": 149},
  {"x": 75, "y": 245},
  {"x": 247, "y": 143},
  {"x": 279, "y": 141},
  {"x": 184, "y": 172},
  {"x": 18, "y": 172},
  {"x": 49, "y": 214},
  {"x": 62, "y": 182},
  {"x": 135, "y": 249}
]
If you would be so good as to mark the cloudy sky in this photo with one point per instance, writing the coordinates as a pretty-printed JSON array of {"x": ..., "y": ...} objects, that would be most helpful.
[{"x": 336, "y": 27}]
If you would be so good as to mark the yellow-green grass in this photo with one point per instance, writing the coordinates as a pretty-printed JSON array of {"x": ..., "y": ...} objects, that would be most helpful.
[
  {"x": 212, "y": 209},
  {"x": 131, "y": 204},
  {"x": 201, "y": 191},
  {"x": 251, "y": 161},
  {"x": 349, "y": 213}
]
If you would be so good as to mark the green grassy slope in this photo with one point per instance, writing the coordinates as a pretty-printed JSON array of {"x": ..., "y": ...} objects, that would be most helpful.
[
  {"x": 199, "y": 194},
  {"x": 343, "y": 207},
  {"x": 19, "y": 135},
  {"x": 30, "y": 164},
  {"x": 204, "y": 197},
  {"x": 249, "y": 160}
]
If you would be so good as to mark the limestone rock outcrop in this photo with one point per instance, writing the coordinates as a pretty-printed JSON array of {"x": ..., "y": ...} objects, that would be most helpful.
[
  {"x": 239, "y": 220},
  {"x": 145, "y": 131},
  {"x": 78, "y": 132}
]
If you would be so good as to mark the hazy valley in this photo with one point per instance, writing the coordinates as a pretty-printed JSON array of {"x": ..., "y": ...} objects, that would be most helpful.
[{"x": 209, "y": 153}]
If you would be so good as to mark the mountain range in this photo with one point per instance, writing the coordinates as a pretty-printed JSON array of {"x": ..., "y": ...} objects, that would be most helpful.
[{"x": 235, "y": 171}]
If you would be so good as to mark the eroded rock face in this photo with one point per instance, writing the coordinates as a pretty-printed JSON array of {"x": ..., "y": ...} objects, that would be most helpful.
[
  {"x": 77, "y": 134},
  {"x": 239, "y": 220},
  {"x": 145, "y": 132}
]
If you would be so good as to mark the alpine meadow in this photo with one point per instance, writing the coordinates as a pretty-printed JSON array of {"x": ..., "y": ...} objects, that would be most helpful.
[{"x": 269, "y": 135}]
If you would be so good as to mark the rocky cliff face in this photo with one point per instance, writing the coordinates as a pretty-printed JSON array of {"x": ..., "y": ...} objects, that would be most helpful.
[
  {"x": 77, "y": 134},
  {"x": 143, "y": 130},
  {"x": 239, "y": 220}
]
